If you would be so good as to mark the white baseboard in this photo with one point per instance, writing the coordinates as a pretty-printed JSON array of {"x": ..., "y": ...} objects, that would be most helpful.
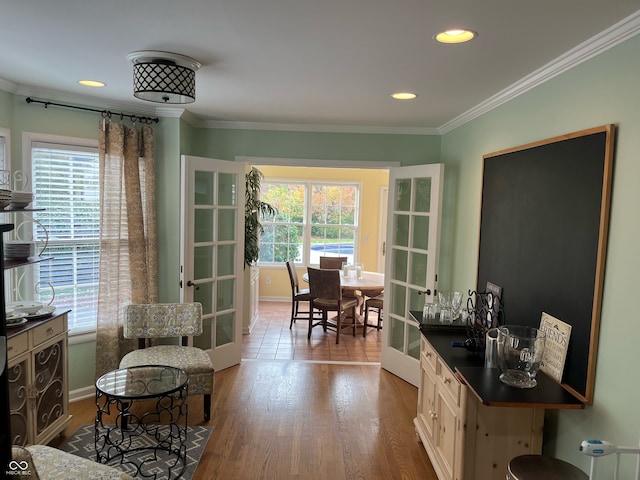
[
  {"x": 82, "y": 393},
  {"x": 275, "y": 299}
]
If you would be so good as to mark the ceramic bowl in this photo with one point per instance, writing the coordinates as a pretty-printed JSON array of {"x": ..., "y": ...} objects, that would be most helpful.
[{"x": 27, "y": 307}]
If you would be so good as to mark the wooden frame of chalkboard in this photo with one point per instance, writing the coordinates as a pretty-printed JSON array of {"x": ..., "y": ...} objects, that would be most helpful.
[{"x": 543, "y": 238}]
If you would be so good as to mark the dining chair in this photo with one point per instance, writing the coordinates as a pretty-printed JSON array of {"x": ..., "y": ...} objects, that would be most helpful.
[
  {"x": 332, "y": 262},
  {"x": 326, "y": 295},
  {"x": 376, "y": 303},
  {"x": 297, "y": 295},
  {"x": 170, "y": 320}
]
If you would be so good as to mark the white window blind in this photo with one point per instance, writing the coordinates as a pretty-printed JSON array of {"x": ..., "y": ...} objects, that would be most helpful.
[{"x": 66, "y": 185}]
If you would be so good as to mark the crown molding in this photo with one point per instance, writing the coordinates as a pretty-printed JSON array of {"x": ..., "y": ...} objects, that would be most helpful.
[
  {"x": 170, "y": 112},
  {"x": 8, "y": 86},
  {"x": 618, "y": 33}
]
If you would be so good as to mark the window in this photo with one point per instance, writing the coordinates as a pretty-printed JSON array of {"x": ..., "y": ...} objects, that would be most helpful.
[
  {"x": 66, "y": 184},
  {"x": 314, "y": 219}
]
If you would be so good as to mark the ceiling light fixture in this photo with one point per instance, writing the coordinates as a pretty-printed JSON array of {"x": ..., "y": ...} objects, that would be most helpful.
[
  {"x": 404, "y": 96},
  {"x": 91, "y": 83},
  {"x": 164, "y": 77},
  {"x": 456, "y": 36}
]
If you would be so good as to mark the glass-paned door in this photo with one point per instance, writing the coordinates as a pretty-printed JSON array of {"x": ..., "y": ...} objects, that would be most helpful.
[
  {"x": 414, "y": 207},
  {"x": 212, "y": 252}
]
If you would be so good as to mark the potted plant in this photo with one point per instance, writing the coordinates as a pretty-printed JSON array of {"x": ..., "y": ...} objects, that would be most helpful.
[{"x": 253, "y": 208}]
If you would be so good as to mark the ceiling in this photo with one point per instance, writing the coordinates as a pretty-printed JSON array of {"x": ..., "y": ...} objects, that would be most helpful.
[{"x": 324, "y": 64}]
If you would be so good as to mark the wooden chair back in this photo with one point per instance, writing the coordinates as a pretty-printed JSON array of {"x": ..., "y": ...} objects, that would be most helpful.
[
  {"x": 293, "y": 277},
  {"x": 332, "y": 262},
  {"x": 324, "y": 284}
]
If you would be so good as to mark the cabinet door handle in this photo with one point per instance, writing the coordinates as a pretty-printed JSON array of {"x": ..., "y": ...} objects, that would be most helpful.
[
  {"x": 447, "y": 380},
  {"x": 428, "y": 354},
  {"x": 49, "y": 331}
]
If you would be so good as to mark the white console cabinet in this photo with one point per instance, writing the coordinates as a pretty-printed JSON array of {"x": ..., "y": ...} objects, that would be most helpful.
[
  {"x": 251, "y": 298},
  {"x": 466, "y": 440},
  {"x": 38, "y": 380}
]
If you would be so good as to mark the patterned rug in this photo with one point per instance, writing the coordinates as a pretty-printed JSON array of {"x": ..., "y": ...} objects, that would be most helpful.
[{"x": 161, "y": 467}]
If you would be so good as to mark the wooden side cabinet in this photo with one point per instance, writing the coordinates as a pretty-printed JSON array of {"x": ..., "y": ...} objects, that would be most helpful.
[
  {"x": 440, "y": 423},
  {"x": 38, "y": 381},
  {"x": 466, "y": 440}
]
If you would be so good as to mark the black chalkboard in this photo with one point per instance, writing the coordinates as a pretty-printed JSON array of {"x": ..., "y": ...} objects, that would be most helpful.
[{"x": 543, "y": 230}]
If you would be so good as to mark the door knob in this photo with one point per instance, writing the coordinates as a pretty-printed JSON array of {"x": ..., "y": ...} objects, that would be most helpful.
[{"x": 191, "y": 284}]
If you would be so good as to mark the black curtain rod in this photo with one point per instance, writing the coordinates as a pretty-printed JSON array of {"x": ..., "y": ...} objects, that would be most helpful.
[{"x": 104, "y": 113}]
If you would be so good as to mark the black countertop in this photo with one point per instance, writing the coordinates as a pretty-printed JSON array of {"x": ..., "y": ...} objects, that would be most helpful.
[{"x": 485, "y": 382}]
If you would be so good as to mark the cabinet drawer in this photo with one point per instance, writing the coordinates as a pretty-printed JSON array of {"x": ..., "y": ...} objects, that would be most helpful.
[
  {"x": 17, "y": 345},
  {"x": 450, "y": 382},
  {"x": 429, "y": 355},
  {"x": 48, "y": 330}
]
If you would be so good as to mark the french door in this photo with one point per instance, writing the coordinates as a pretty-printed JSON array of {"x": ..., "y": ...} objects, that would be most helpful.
[
  {"x": 212, "y": 252},
  {"x": 414, "y": 208}
]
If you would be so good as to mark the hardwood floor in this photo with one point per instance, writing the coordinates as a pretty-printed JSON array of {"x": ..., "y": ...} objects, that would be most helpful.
[
  {"x": 279, "y": 420},
  {"x": 290, "y": 419}
]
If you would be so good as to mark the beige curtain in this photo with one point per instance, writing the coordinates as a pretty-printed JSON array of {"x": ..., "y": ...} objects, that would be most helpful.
[{"x": 128, "y": 250}]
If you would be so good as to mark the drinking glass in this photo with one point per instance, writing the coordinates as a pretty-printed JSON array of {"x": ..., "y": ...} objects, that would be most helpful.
[
  {"x": 429, "y": 312},
  {"x": 446, "y": 312},
  {"x": 456, "y": 303}
]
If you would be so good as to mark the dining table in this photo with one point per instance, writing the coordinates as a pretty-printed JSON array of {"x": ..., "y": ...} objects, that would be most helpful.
[
  {"x": 367, "y": 284},
  {"x": 367, "y": 281}
]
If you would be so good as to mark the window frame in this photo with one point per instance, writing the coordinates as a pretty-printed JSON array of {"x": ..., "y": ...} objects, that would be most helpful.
[
  {"x": 307, "y": 225},
  {"x": 69, "y": 143}
]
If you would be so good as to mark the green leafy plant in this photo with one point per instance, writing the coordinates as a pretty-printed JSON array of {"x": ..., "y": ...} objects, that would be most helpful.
[{"x": 254, "y": 208}]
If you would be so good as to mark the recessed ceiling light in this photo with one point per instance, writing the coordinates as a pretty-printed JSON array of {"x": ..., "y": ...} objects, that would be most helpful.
[
  {"x": 404, "y": 96},
  {"x": 91, "y": 83},
  {"x": 456, "y": 36}
]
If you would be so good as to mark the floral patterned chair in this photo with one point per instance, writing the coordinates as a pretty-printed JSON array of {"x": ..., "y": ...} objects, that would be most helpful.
[
  {"x": 40, "y": 462},
  {"x": 166, "y": 320}
]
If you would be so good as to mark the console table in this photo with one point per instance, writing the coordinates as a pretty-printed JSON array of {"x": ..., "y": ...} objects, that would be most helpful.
[
  {"x": 38, "y": 380},
  {"x": 469, "y": 422}
]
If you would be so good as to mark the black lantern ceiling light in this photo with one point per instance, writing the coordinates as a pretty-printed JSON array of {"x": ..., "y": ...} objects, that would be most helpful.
[{"x": 164, "y": 77}]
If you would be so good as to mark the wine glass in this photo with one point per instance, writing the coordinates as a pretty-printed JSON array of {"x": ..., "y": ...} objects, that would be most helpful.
[{"x": 456, "y": 303}]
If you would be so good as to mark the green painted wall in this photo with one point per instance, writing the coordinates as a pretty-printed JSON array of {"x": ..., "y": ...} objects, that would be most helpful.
[
  {"x": 6, "y": 109},
  {"x": 601, "y": 91},
  {"x": 226, "y": 144}
]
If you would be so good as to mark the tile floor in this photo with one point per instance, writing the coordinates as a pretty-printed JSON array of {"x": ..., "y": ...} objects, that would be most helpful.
[{"x": 272, "y": 339}]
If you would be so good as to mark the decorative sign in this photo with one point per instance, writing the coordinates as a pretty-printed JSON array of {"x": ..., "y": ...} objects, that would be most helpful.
[{"x": 555, "y": 346}]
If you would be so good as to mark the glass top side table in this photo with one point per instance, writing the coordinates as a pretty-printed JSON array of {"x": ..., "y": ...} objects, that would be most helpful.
[
  {"x": 142, "y": 382},
  {"x": 139, "y": 410}
]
